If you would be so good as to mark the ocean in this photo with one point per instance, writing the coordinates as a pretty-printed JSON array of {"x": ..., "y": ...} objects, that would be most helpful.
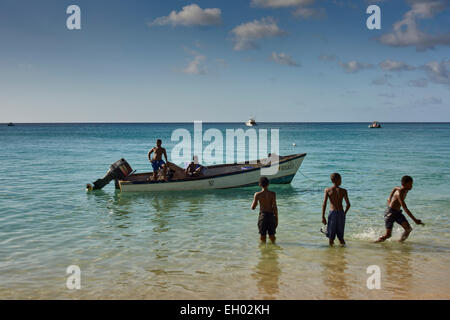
[{"x": 205, "y": 245}]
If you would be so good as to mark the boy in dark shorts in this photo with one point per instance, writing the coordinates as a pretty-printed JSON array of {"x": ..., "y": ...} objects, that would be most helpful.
[
  {"x": 336, "y": 217},
  {"x": 157, "y": 161},
  {"x": 393, "y": 213},
  {"x": 268, "y": 211}
]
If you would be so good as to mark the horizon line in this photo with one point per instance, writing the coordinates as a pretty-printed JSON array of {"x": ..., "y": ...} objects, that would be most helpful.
[{"x": 220, "y": 122}]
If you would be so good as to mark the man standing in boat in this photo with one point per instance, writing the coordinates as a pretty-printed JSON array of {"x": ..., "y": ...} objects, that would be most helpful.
[{"x": 157, "y": 161}]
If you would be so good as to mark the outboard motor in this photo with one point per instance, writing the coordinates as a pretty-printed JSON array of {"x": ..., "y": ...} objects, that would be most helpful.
[{"x": 117, "y": 171}]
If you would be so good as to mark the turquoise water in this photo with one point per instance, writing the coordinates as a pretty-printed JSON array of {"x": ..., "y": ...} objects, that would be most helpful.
[{"x": 205, "y": 245}]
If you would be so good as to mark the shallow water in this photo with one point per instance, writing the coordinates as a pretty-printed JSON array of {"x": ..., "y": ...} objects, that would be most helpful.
[{"x": 204, "y": 245}]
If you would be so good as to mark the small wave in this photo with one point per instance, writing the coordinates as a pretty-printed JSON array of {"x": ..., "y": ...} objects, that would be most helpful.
[
  {"x": 372, "y": 233},
  {"x": 368, "y": 234}
]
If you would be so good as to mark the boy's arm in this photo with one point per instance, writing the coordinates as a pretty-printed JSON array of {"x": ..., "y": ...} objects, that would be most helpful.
[
  {"x": 347, "y": 202},
  {"x": 255, "y": 201},
  {"x": 275, "y": 208},
  {"x": 324, "y": 206},
  {"x": 403, "y": 204},
  {"x": 165, "y": 154},
  {"x": 150, "y": 154}
]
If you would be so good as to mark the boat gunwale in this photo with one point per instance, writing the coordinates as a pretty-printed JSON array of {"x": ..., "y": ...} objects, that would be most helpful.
[{"x": 289, "y": 158}]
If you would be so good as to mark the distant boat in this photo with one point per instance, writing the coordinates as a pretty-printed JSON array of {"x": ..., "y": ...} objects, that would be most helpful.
[
  {"x": 11, "y": 124},
  {"x": 251, "y": 122},
  {"x": 375, "y": 124}
]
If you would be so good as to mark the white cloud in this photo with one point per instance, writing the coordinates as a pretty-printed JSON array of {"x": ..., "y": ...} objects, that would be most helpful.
[
  {"x": 392, "y": 65},
  {"x": 284, "y": 59},
  {"x": 327, "y": 57},
  {"x": 246, "y": 34},
  {"x": 280, "y": 3},
  {"x": 438, "y": 72},
  {"x": 347, "y": 3},
  {"x": 190, "y": 15},
  {"x": 310, "y": 13},
  {"x": 387, "y": 95},
  {"x": 221, "y": 63},
  {"x": 302, "y": 10},
  {"x": 427, "y": 8},
  {"x": 195, "y": 66},
  {"x": 406, "y": 33},
  {"x": 418, "y": 83},
  {"x": 354, "y": 66},
  {"x": 381, "y": 81},
  {"x": 429, "y": 100}
]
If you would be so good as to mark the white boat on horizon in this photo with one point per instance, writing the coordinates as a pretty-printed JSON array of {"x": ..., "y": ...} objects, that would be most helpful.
[
  {"x": 375, "y": 124},
  {"x": 251, "y": 122},
  {"x": 223, "y": 176}
]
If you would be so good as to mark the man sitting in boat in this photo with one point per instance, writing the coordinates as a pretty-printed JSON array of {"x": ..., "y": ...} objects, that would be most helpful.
[
  {"x": 157, "y": 161},
  {"x": 194, "y": 169}
]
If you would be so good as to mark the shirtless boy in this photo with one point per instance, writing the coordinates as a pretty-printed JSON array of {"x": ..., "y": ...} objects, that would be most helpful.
[
  {"x": 336, "y": 217},
  {"x": 157, "y": 161},
  {"x": 268, "y": 211},
  {"x": 393, "y": 213},
  {"x": 194, "y": 169}
]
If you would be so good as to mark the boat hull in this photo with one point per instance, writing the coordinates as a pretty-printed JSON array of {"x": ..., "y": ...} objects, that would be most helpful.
[{"x": 285, "y": 174}]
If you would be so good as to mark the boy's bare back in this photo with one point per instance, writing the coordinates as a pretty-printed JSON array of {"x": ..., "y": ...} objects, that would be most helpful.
[
  {"x": 396, "y": 197},
  {"x": 336, "y": 195},
  {"x": 267, "y": 201}
]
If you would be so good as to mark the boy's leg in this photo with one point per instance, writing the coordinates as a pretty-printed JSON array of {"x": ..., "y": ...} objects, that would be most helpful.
[
  {"x": 331, "y": 227},
  {"x": 262, "y": 228},
  {"x": 407, "y": 231},
  {"x": 389, "y": 220},
  {"x": 155, "y": 170},
  {"x": 341, "y": 227},
  {"x": 386, "y": 236},
  {"x": 271, "y": 228}
]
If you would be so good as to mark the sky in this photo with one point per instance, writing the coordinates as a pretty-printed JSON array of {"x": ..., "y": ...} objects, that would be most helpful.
[{"x": 224, "y": 61}]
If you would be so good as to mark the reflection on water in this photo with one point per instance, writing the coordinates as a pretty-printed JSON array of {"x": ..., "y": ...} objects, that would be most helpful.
[
  {"x": 397, "y": 270},
  {"x": 335, "y": 279},
  {"x": 213, "y": 232},
  {"x": 268, "y": 271}
]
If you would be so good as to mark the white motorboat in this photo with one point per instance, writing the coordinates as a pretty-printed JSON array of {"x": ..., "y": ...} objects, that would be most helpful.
[{"x": 222, "y": 176}]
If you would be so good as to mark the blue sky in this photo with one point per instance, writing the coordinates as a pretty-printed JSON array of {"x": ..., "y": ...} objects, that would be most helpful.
[{"x": 279, "y": 60}]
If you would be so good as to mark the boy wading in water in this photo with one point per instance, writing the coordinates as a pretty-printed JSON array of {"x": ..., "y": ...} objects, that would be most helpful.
[
  {"x": 393, "y": 213},
  {"x": 336, "y": 218},
  {"x": 268, "y": 211}
]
